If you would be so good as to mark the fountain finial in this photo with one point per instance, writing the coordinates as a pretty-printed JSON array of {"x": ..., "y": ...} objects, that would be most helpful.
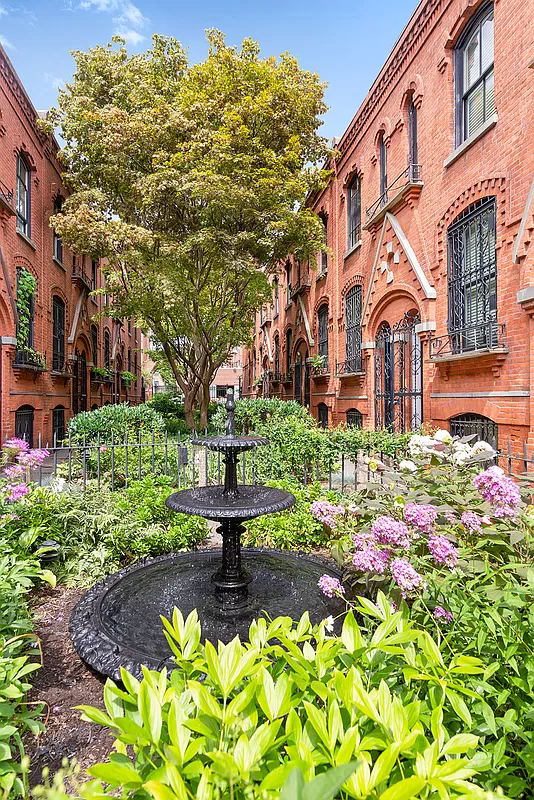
[{"x": 230, "y": 413}]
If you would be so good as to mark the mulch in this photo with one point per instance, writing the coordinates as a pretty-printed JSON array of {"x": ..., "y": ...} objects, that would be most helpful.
[{"x": 63, "y": 683}]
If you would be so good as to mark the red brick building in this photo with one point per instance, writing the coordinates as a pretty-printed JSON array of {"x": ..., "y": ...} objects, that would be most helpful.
[
  {"x": 50, "y": 343},
  {"x": 423, "y": 306}
]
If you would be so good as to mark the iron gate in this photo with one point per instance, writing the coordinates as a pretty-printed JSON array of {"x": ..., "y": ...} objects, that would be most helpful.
[{"x": 399, "y": 376}]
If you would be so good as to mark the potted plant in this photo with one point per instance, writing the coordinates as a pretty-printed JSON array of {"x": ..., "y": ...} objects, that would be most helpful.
[
  {"x": 128, "y": 378},
  {"x": 100, "y": 374}
]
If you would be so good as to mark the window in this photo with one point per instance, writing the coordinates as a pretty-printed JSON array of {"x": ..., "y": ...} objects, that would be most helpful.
[
  {"x": 288, "y": 282},
  {"x": 472, "y": 277},
  {"x": 382, "y": 154},
  {"x": 58, "y": 424},
  {"x": 412, "y": 143},
  {"x": 107, "y": 350},
  {"x": 277, "y": 355},
  {"x": 322, "y": 415},
  {"x": 354, "y": 212},
  {"x": 129, "y": 360},
  {"x": 482, "y": 427},
  {"x": 94, "y": 344},
  {"x": 324, "y": 254},
  {"x": 276, "y": 297},
  {"x": 27, "y": 314},
  {"x": 289, "y": 345},
  {"x": 475, "y": 101},
  {"x": 129, "y": 327},
  {"x": 322, "y": 333},
  {"x": 23, "y": 196},
  {"x": 94, "y": 265},
  {"x": 354, "y": 419},
  {"x": 220, "y": 393},
  {"x": 254, "y": 365},
  {"x": 58, "y": 334},
  {"x": 353, "y": 329},
  {"x": 135, "y": 366},
  {"x": 58, "y": 241},
  {"x": 24, "y": 423}
]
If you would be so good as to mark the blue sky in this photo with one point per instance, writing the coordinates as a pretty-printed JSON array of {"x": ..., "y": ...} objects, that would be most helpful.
[{"x": 345, "y": 42}]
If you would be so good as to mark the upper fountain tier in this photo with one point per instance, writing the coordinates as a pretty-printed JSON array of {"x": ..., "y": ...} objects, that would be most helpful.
[{"x": 230, "y": 442}]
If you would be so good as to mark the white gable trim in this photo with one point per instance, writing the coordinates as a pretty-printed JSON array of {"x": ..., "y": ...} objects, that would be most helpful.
[
  {"x": 521, "y": 232},
  {"x": 428, "y": 290}
]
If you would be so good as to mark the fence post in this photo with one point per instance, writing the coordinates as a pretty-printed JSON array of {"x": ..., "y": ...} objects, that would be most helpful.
[
  {"x": 98, "y": 459},
  {"x": 112, "y": 461}
]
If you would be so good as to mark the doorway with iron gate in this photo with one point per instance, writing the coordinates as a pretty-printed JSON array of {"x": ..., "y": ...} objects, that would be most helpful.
[
  {"x": 399, "y": 375},
  {"x": 302, "y": 383},
  {"x": 79, "y": 383}
]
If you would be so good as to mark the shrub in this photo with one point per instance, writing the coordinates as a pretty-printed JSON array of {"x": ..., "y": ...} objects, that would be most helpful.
[{"x": 116, "y": 421}]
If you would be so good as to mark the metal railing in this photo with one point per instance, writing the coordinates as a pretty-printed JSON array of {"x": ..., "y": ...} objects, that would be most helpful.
[
  {"x": 61, "y": 365},
  {"x": 300, "y": 285},
  {"x": 412, "y": 174},
  {"x": 351, "y": 366},
  {"x": 7, "y": 196},
  {"x": 97, "y": 378},
  {"x": 26, "y": 358},
  {"x": 287, "y": 377},
  {"x": 78, "y": 273},
  {"x": 471, "y": 339}
]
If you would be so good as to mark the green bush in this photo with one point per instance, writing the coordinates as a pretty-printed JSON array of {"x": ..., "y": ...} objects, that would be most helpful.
[
  {"x": 169, "y": 405},
  {"x": 118, "y": 420}
]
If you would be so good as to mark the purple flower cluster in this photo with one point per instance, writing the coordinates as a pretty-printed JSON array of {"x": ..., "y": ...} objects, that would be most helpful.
[
  {"x": 406, "y": 577},
  {"x": 326, "y": 512},
  {"x": 14, "y": 472},
  {"x": 442, "y": 551},
  {"x": 25, "y": 459},
  {"x": 471, "y": 522},
  {"x": 330, "y": 586},
  {"x": 442, "y": 613},
  {"x": 371, "y": 559},
  {"x": 32, "y": 458},
  {"x": 387, "y": 530},
  {"x": 499, "y": 491},
  {"x": 16, "y": 491},
  {"x": 15, "y": 445},
  {"x": 420, "y": 516}
]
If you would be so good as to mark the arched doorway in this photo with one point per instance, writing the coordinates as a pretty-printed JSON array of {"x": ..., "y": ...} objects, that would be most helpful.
[
  {"x": 266, "y": 387},
  {"x": 399, "y": 375},
  {"x": 79, "y": 383},
  {"x": 302, "y": 376},
  {"x": 24, "y": 423},
  {"x": 322, "y": 415}
]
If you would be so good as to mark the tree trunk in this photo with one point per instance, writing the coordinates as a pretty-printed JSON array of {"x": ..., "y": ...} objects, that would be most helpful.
[
  {"x": 204, "y": 397},
  {"x": 189, "y": 409}
]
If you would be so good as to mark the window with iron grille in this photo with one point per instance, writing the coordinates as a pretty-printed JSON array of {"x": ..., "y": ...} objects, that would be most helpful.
[
  {"x": 58, "y": 334},
  {"x": 94, "y": 344},
  {"x": 58, "y": 424},
  {"x": 353, "y": 329},
  {"x": 107, "y": 350},
  {"x": 23, "y": 196},
  {"x": 354, "y": 418},
  {"x": 354, "y": 212},
  {"x": 58, "y": 241},
  {"x": 94, "y": 265},
  {"x": 277, "y": 354},
  {"x": 289, "y": 345},
  {"x": 322, "y": 333},
  {"x": 24, "y": 423},
  {"x": 412, "y": 139},
  {"x": 474, "y": 80},
  {"x": 322, "y": 415},
  {"x": 129, "y": 360},
  {"x": 472, "y": 278},
  {"x": 475, "y": 424}
]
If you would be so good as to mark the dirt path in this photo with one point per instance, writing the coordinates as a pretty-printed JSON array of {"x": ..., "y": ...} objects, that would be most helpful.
[{"x": 63, "y": 683}]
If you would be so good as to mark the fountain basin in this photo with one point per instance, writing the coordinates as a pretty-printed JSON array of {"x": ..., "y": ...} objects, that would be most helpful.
[{"x": 117, "y": 622}]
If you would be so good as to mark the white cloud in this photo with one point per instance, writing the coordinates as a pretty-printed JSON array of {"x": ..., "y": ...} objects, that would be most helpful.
[
  {"x": 124, "y": 11},
  {"x": 6, "y": 43},
  {"x": 130, "y": 36},
  {"x": 3, "y": 11},
  {"x": 57, "y": 83}
]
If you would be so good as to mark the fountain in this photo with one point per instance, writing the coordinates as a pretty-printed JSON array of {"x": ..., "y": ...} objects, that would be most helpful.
[{"x": 118, "y": 621}]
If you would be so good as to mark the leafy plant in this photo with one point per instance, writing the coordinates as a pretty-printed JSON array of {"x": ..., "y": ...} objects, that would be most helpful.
[
  {"x": 128, "y": 377},
  {"x": 114, "y": 421},
  {"x": 26, "y": 286}
]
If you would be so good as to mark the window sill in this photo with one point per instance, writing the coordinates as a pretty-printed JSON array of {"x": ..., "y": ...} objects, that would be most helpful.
[
  {"x": 27, "y": 240},
  {"x": 352, "y": 249},
  {"x": 460, "y": 150},
  {"x": 59, "y": 263}
]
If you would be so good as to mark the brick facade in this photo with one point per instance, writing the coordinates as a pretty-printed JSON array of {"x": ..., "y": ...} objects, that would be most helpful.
[
  {"x": 402, "y": 255},
  {"x": 63, "y": 383}
]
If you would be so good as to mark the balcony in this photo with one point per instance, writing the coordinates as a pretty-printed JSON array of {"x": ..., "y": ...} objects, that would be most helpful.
[
  {"x": 484, "y": 338},
  {"x": 7, "y": 200},
  {"x": 29, "y": 359},
  {"x": 61, "y": 366},
  {"x": 320, "y": 371},
  {"x": 409, "y": 182},
  {"x": 104, "y": 375},
  {"x": 300, "y": 286},
  {"x": 80, "y": 276},
  {"x": 277, "y": 377},
  {"x": 350, "y": 367},
  {"x": 287, "y": 377},
  {"x": 265, "y": 316}
]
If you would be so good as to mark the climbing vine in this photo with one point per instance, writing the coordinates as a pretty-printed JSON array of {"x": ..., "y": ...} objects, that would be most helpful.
[{"x": 26, "y": 285}]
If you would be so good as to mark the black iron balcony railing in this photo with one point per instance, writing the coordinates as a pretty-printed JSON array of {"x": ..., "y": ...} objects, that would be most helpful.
[
  {"x": 7, "y": 198},
  {"x": 483, "y": 336},
  {"x": 412, "y": 174},
  {"x": 287, "y": 377},
  {"x": 27, "y": 358},
  {"x": 79, "y": 274},
  {"x": 301, "y": 284},
  {"x": 277, "y": 377},
  {"x": 61, "y": 365},
  {"x": 351, "y": 366}
]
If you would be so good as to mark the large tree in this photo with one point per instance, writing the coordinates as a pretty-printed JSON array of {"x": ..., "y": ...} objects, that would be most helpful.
[{"x": 190, "y": 180}]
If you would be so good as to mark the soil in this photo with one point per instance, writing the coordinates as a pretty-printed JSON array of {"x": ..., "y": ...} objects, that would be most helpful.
[{"x": 63, "y": 683}]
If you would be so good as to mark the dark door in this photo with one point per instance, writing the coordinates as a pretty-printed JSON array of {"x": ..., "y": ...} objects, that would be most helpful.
[
  {"x": 399, "y": 376},
  {"x": 24, "y": 424},
  {"x": 322, "y": 414},
  {"x": 79, "y": 384}
]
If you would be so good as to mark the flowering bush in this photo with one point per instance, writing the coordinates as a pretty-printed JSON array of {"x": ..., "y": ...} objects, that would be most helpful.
[
  {"x": 19, "y": 460},
  {"x": 326, "y": 512}
]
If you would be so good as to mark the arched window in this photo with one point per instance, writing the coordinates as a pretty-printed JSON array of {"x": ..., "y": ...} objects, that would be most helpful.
[
  {"x": 322, "y": 415},
  {"x": 472, "y": 278},
  {"x": 474, "y": 82},
  {"x": 354, "y": 418},
  {"x": 58, "y": 424},
  {"x": 94, "y": 344},
  {"x": 353, "y": 330},
  {"x": 475, "y": 424},
  {"x": 277, "y": 355},
  {"x": 276, "y": 289},
  {"x": 322, "y": 333},
  {"x": 107, "y": 350},
  {"x": 413, "y": 156},
  {"x": 24, "y": 417},
  {"x": 289, "y": 345},
  {"x": 58, "y": 241},
  {"x": 58, "y": 334},
  {"x": 382, "y": 156},
  {"x": 23, "y": 196},
  {"x": 324, "y": 254},
  {"x": 354, "y": 212}
]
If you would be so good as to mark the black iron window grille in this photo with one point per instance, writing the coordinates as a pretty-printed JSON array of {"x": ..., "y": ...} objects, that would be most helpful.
[
  {"x": 277, "y": 356},
  {"x": 276, "y": 297},
  {"x": 412, "y": 134},
  {"x": 289, "y": 345},
  {"x": 475, "y": 424},
  {"x": 472, "y": 279},
  {"x": 354, "y": 418},
  {"x": 354, "y": 212},
  {"x": 24, "y": 424},
  {"x": 382, "y": 152},
  {"x": 23, "y": 196},
  {"x": 7, "y": 197},
  {"x": 107, "y": 350},
  {"x": 322, "y": 415},
  {"x": 58, "y": 334},
  {"x": 353, "y": 331},
  {"x": 58, "y": 424},
  {"x": 475, "y": 100},
  {"x": 322, "y": 333}
]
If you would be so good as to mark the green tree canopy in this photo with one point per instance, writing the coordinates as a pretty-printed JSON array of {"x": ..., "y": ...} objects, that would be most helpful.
[{"x": 191, "y": 181}]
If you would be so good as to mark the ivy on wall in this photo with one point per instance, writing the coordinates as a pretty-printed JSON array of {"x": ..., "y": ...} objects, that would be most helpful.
[{"x": 26, "y": 286}]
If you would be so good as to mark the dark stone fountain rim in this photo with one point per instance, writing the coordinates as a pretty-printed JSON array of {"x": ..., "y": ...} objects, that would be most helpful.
[
  {"x": 210, "y": 503},
  {"x": 229, "y": 442},
  {"x": 106, "y": 656}
]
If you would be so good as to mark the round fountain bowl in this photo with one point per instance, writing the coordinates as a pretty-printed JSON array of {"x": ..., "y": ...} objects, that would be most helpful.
[
  {"x": 211, "y": 503},
  {"x": 229, "y": 443},
  {"x": 118, "y": 621}
]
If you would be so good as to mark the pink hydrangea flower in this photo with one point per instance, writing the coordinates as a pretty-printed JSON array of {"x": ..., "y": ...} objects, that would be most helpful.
[
  {"x": 32, "y": 458},
  {"x": 387, "y": 530},
  {"x": 371, "y": 559},
  {"x": 499, "y": 491},
  {"x": 420, "y": 516},
  {"x": 406, "y": 577},
  {"x": 16, "y": 491},
  {"x": 326, "y": 512},
  {"x": 14, "y": 472},
  {"x": 471, "y": 522},
  {"x": 443, "y": 551},
  {"x": 16, "y": 445},
  {"x": 330, "y": 586},
  {"x": 441, "y": 613}
]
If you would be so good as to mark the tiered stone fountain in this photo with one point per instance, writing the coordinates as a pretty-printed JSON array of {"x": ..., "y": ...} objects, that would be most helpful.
[{"x": 118, "y": 622}]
